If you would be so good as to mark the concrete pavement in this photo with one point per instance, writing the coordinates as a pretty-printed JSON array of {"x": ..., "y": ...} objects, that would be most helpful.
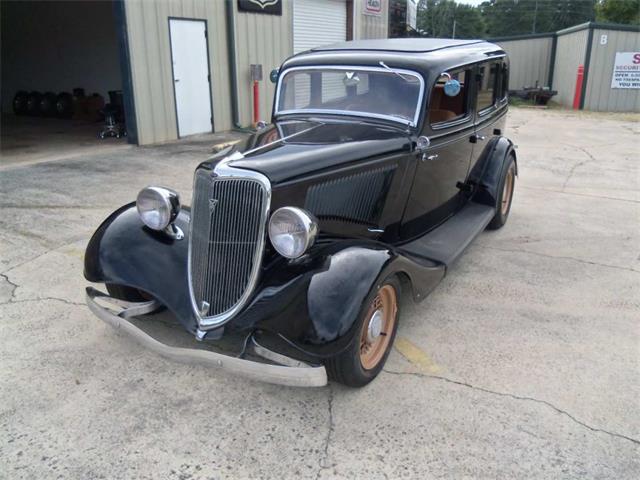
[{"x": 523, "y": 363}]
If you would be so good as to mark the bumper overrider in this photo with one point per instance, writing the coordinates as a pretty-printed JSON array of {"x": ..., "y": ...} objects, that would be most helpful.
[{"x": 282, "y": 370}]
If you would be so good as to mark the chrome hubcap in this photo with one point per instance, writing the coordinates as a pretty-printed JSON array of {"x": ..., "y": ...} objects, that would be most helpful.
[{"x": 375, "y": 326}]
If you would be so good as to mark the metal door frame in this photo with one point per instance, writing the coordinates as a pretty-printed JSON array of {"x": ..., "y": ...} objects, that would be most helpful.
[{"x": 173, "y": 83}]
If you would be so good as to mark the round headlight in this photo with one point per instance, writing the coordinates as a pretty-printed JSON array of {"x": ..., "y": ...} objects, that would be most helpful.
[
  {"x": 157, "y": 207},
  {"x": 292, "y": 231}
]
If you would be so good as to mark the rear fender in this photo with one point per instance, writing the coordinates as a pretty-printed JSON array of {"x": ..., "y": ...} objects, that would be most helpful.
[{"x": 487, "y": 172}]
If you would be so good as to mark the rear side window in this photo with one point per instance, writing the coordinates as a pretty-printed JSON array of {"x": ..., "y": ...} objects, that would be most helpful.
[
  {"x": 448, "y": 104},
  {"x": 504, "y": 81},
  {"x": 487, "y": 85}
]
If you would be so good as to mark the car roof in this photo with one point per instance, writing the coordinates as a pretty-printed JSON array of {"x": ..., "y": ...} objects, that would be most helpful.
[
  {"x": 428, "y": 56},
  {"x": 413, "y": 45}
]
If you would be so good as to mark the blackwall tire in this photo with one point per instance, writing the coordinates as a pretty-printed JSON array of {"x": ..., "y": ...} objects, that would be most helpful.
[
  {"x": 130, "y": 294},
  {"x": 33, "y": 103},
  {"x": 364, "y": 359},
  {"x": 64, "y": 105},
  {"x": 47, "y": 105},
  {"x": 20, "y": 102}
]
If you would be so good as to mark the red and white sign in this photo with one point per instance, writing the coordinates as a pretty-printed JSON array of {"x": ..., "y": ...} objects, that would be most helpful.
[
  {"x": 626, "y": 70},
  {"x": 373, "y": 7}
]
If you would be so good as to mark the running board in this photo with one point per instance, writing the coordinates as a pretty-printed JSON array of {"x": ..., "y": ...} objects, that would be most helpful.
[{"x": 447, "y": 242}]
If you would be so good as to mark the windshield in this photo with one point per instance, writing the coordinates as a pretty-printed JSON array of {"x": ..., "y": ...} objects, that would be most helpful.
[{"x": 382, "y": 92}]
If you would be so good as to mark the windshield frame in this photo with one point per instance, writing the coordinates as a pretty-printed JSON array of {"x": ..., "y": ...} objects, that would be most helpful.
[{"x": 348, "y": 113}]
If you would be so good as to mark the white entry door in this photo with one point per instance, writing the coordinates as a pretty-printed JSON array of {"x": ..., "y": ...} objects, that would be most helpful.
[{"x": 191, "y": 80}]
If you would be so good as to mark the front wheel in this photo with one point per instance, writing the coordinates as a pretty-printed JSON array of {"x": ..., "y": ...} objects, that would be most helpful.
[
  {"x": 507, "y": 184},
  {"x": 130, "y": 294},
  {"x": 365, "y": 357}
]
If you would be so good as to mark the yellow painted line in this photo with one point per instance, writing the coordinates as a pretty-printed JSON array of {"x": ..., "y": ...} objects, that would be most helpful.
[
  {"x": 73, "y": 252},
  {"x": 416, "y": 356}
]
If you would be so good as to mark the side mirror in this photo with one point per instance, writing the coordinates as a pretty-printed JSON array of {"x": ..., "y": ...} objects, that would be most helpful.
[{"x": 273, "y": 76}]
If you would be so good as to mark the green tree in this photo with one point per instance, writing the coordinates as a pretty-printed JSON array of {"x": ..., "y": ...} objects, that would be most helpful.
[
  {"x": 619, "y": 11},
  {"x": 517, "y": 17},
  {"x": 436, "y": 18}
]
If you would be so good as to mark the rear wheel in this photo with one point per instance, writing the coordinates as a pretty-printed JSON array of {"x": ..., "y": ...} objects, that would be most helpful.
[
  {"x": 507, "y": 187},
  {"x": 377, "y": 327}
]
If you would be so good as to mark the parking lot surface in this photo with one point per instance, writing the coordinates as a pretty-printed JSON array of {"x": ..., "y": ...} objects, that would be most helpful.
[{"x": 523, "y": 363}]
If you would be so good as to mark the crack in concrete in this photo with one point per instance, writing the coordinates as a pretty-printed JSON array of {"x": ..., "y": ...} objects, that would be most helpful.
[
  {"x": 577, "y": 165},
  {"x": 42, "y": 299},
  {"x": 327, "y": 441},
  {"x": 517, "y": 397},
  {"x": 50, "y": 250},
  {"x": 55, "y": 207},
  {"x": 13, "y": 285},
  {"x": 615, "y": 199},
  {"x": 12, "y": 298},
  {"x": 559, "y": 257}
]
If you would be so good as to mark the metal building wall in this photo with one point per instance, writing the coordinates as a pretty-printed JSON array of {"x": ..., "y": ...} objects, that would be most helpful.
[
  {"x": 370, "y": 26},
  {"x": 599, "y": 94},
  {"x": 570, "y": 53},
  {"x": 529, "y": 60},
  {"x": 148, "y": 33},
  {"x": 265, "y": 39}
]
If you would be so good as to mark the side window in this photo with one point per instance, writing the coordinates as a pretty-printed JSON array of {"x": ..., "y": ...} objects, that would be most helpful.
[
  {"x": 504, "y": 82},
  {"x": 487, "y": 85},
  {"x": 449, "y": 96}
]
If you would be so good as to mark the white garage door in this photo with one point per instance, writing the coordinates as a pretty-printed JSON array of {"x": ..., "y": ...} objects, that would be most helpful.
[{"x": 318, "y": 22}]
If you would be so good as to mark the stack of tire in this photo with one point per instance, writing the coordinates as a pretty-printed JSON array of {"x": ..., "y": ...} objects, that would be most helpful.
[{"x": 46, "y": 104}]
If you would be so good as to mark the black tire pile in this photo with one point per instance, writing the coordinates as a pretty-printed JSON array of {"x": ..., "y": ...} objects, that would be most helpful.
[{"x": 46, "y": 104}]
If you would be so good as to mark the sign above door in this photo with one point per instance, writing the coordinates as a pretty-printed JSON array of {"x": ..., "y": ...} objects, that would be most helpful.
[{"x": 272, "y": 7}]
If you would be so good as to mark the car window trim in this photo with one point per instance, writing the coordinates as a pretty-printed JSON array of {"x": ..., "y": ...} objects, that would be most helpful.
[
  {"x": 468, "y": 111},
  {"x": 359, "y": 68},
  {"x": 487, "y": 110}
]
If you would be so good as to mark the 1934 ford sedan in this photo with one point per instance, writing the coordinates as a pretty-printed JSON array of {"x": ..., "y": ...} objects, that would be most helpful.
[{"x": 383, "y": 161}]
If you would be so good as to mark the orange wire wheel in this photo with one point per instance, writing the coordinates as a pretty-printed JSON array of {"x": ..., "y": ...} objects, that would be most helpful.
[
  {"x": 507, "y": 192},
  {"x": 378, "y": 327}
]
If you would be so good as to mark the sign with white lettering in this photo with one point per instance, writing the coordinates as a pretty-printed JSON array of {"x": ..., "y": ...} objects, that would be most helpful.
[
  {"x": 626, "y": 70},
  {"x": 373, "y": 7}
]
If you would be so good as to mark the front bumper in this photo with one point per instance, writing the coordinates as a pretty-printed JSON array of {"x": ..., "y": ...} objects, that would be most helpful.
[{"x": 285, "y": 371}]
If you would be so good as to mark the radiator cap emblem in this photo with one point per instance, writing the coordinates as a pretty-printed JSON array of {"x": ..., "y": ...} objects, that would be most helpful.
[{"x": 213, "y": 202}]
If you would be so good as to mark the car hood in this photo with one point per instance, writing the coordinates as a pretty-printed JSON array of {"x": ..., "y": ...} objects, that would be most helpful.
[{"x": 287, "y": 150}]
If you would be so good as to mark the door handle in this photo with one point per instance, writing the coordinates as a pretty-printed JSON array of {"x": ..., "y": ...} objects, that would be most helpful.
[
  {"x": 177, "y": 80},
  {"x": 477, "y": 138},
  {"x": 429, "y": 157}
]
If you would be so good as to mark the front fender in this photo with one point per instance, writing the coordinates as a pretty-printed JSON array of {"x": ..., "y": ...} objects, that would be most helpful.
[
  {"x": 315, "y": 303},
  {"x": 126, "y": 252}
]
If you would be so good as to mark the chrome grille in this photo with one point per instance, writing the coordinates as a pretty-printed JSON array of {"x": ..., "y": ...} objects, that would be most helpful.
[{"x": 228, "y": 220}]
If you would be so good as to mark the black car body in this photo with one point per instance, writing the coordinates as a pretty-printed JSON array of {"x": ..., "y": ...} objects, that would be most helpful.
[{"x": 393, "y": 149}]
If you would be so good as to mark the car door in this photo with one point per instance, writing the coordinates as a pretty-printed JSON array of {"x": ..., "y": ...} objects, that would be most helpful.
[
  {"x": 442, "y": 169},
  {"x": 490, "y": 104}
]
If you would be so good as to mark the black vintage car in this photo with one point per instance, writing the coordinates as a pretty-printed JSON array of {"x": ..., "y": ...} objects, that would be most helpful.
[{"x": 383, "y": 161}]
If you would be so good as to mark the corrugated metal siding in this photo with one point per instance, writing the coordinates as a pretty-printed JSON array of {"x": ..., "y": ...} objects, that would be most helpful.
[
  {"x": 529, "y": 61},
  {"x": 148, "y": 31},
  {"x": 599, "y": 95},
  {"x": 318, "y": 22},
  {"x": 370, "y": 26},
  {"x": 265, "y": 39},
  {"x": 570, "y": 53}
]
